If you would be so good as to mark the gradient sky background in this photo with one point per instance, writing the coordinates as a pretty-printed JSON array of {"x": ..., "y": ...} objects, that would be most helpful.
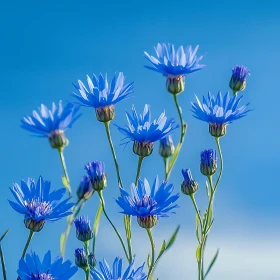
[{"x": 47, "y": 45}]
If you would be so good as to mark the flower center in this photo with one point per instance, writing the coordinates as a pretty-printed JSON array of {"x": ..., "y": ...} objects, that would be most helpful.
[
  {"x": 42, "y": 276},
  {"x": 146, "y": 202},
  {"x": 38, "y": 208}
]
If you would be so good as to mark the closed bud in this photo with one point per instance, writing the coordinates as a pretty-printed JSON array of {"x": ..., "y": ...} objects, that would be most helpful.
[
  {"x": 33, "y": 225},
  {"x": 217, "y": 130},
  {"x": 175, "y": 85},
  {"x": 238, "y": 78},
  {"x": 91, "y": 260},
  {"x": 189, "y": 185},
  {"x": 147, "y": 222},
  {"x": 81, "y": 258},
  {"x": 57, "y": 139},
  {"x": 208, "y": 163},
  {"x": 166, "y": 147},
  {"x": 143, "y": 149},
  {"x": 85, "y": 189},
  {"x": 83, "y": 229},
  {"x": 105, "y": 114}
]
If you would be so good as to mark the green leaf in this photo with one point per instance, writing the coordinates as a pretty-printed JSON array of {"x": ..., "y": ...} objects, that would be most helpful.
[
  {"x": 198, "y": 253},
  {"x": 212, "y": 263},
  {"x": 172, "y": 239},
  {"x": 197, "y": 228},
  {"x": 149, "y": 261},
  {"x": 127, "y": 224},
  {"x": 207, "y": 190},
  {"x": 62, "y": 243},
  {"x": 96, "y": 225},
  {"x": 162, "y": 249},
  {"x": 2, "y": 237},
  {"x": 65, "y": 183}
]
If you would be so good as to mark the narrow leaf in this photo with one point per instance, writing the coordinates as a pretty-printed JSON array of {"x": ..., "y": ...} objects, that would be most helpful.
[
  {"x": 162, "y": 249},
  {"x": 207, "y": 189},
  {"x": 65, "y": 183},
  {"x": 198, "y": 253},
  {"x": 212, "y": 263},
  {"x": 197, "y": 228},
  {"x": 149, "y": 261},
  {"x": 2, "y": 256},
  {"x": 127, "y": 221},
  {"x": 96, "y": 225},
  {"x": 62, "y": 243},
  {"x": 2, "y": 237},
  {"x": 172, "y": 239}
]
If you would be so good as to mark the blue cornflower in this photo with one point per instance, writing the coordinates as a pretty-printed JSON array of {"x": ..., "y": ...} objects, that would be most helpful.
[
  {"x": 208, "y": 162},
  {"x": 189, "y": 185},
  {"x": 83, "y": 229},
  {"x": 219, "y": 111},
  {"x": 175, "y": 64},
  {"x": 52, "y": 123},
  {"x": 101, "y": 96},
  {"x": 238, "y": 78},
  {"x": 33, "y": 269},
  {"x": 37, "y": 203},
  {"x": 148, "y": 203},
  {"x": 85, "y": 189},
  {"x": 166, "y": 146},
  {"x": 144, "y": 132},
  {"x": 116, "y": 274},
  {"x": 96, "y": 173}
]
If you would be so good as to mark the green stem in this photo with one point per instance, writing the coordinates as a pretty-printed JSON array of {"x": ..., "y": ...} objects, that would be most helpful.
[
  {"x": 197, "y": 212},
  {"x": 116, "y": 231},
  {"x": 87, "y": 269},
  {"x": 3, "y": 263},
  {"x": 62, "y": 159},
  {"x": 140, "y": 160},
  {"x": 31, "y": 233},
  {"x": 127, "y": 221},
  {"x": 153, "y": 253},
  {"x": 182, "y": 135},
  {"x": 96, "y": 225},
  {"x": 221, "y": 161},
  {"x": 166, "y": 162},
  {"x": 107, "y": 127}
]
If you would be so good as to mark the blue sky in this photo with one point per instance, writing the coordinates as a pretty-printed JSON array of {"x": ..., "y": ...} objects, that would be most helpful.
[{"x": 47, "y": 45}]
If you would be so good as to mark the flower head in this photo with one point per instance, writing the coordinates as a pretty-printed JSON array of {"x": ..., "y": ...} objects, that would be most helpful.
[
  {"x": 238, "y": 78},
  {"x": 189, "y": 185},
  {"x": 33, "y": 269},
  {"x": 166, "y": 146},
  {"x": 208, "y": 162},
  {"x": 101, "y": 96},
  {"x": 37, "y": 204},
  {"x": 116, "y": 273},
  {"x": 81, "y": 257},
  {"x": 85, "y": 189},
  {"x": 83, "y": 229},
  {"x": 219, "y": 111},
  {"x": 52, "y": 122},
  {"x": 148, "y": 203},
  {"x": 96, "y": 173},
  {"x": 144, "y": 132}
]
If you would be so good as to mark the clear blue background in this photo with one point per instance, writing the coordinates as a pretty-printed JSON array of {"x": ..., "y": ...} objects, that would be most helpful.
[{"x": 47, "y": 45}]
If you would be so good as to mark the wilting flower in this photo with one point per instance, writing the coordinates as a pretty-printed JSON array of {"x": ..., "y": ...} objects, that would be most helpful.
[
  {"x": 37, "y": 204},
  {"x": 219, "y": 111},
  {"x": 101, "y": 96},
  {"x": 85, "y": 189},
  {"x": 116, "y": 273},
  {"x": 83, "y": 229},
  {"x": 238, "y": 78},
  {"x": 96, "y": 174},
  {"x": 33, "y": 269},
  {"x": 174, "y": 64},
  {"x": 52, "y": 123},
  {"x": 166, "y": 146},
  {"x": 81, "y": 259},
  {"x": 144, "y": 132},
  {"x": 189, "y": 185},
  {"x": 208, "y": 162},
  {"x": 148, "y": 203}
]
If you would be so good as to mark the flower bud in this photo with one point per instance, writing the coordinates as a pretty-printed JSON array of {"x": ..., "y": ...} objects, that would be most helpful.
[
  {"x": 166, "y": 147},
  {"x": 91, "y": 260},
  {"x": 147, "y": 222},
  {"x": 83, "y": 229},
  {"x": 81, "y": 258},
  {"x": 175, "y": 85},
  {"x": 189, "y": 185},
  {"x": 217, "y": 130},
  {"x": 96, "y": 174},
  {"x": 85, "y": 189},
  {"x": 57, "y": 139},
  {"x": 105, "y": 114},
  {"x": 208, "y": 163},
  {"x": 143, "y": 149},
  {"x": 238, "y": 79},
  {"x": 33, "y": 225}
]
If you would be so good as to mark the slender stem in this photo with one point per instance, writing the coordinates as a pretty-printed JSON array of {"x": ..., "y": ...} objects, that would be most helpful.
[
  {"x": 116, "y": 231},
  {"x": 221, "y": 160},
  {"x": 153, "y": 253},
  {"x": 166, "y": 162},
  {"x": 181, "y": 118},
  {"x": 107, "y": 127},
  {"x": 140, "y": 160},
  {"x": 127, "y": 221},
  {"x": 62, "y": 159},
  {"x": 3, "y": 263},
  {"x": 87, "y": 269},
  {"x": 31, "y": 233},
  {"x": 197, "y": 212},
  {"x": 96, "y": 225}
]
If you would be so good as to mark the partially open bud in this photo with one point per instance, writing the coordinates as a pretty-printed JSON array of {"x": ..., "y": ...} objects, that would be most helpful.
[
  {"x": 57, "y": 139},
  {"x": 238, "y": 79},
  {"x": 83, "y": 229},
  {"x": 143, "y": 149},
  {"x": 85, "y": 189},
  {"x": 189, "y": 185},
  {"x": 105, "y": 114},
  {"x": 96, "y": 174},
  {"x": 217, "y": 130},
  {"x": 33, "y": 225},
  {"x": 175, "y": 85},
  {"x": 147, "y": 222},
  {"x": 166, "y": 147},
  {"x": 208, "y": 163},
  {"x": 81, "y": 258}
]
